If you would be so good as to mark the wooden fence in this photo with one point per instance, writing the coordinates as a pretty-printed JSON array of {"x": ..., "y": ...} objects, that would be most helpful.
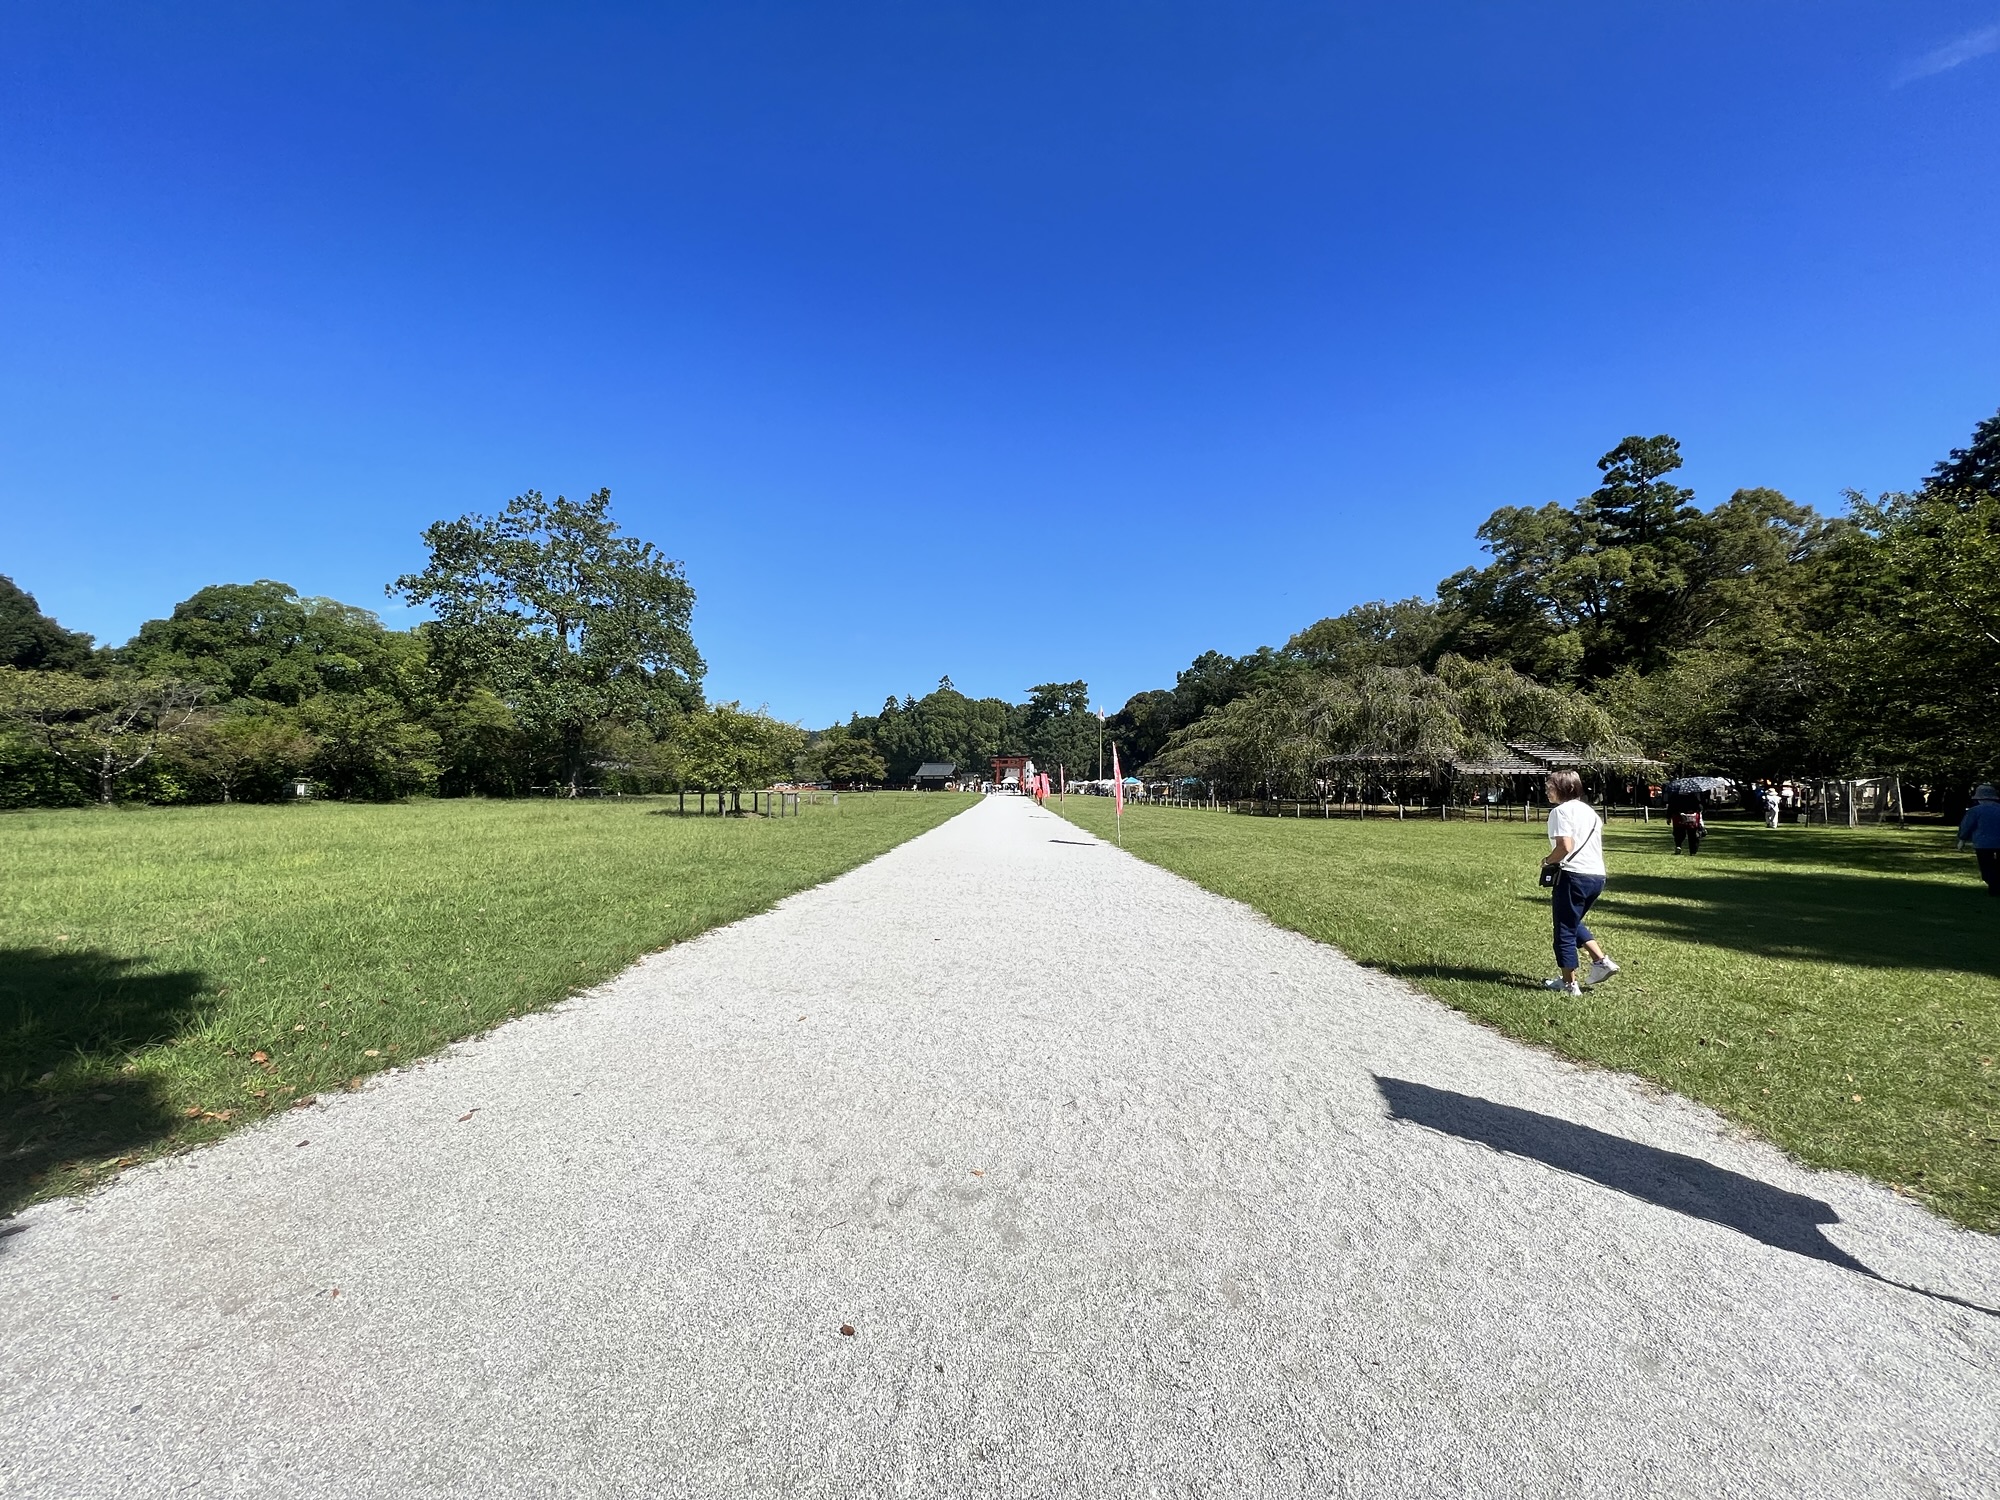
[
  {"x": 1477, "y": 812},
  {"x": 762, "y": 804}
]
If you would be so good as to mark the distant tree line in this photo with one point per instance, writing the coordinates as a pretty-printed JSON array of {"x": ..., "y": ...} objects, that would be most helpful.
[
  {"x": 560, "y": 659},
  {"x": 1055, "y": 727},
  {"x": 1755, "y": 639}
]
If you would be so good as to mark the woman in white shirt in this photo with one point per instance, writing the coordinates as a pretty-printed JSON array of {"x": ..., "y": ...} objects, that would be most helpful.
[{"x": 1576, "y": 854}]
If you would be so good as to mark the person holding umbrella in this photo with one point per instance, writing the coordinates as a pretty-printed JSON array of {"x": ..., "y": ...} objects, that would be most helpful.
[
  {"x": 1981, "y": 829},
  {"x": 1684, "y": 810}
]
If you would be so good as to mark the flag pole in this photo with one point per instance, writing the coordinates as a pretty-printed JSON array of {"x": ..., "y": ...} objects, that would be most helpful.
[{"x": 1117, "y": 794}]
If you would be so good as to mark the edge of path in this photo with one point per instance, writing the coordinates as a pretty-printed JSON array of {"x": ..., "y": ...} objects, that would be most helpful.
[{"x": 14, "y": 1221}]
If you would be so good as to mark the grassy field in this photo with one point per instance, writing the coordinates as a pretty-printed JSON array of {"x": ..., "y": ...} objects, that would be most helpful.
[
  {"x": 1836, "y": 990},
  {"x": 168, "y": 974}
]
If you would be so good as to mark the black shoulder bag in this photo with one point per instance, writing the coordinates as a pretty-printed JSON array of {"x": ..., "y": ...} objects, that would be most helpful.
[{"x": 1549, "y": 871}]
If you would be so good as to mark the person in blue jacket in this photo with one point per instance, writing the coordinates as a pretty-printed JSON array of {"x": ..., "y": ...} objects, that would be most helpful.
[{"x": 1981, "y": 829}]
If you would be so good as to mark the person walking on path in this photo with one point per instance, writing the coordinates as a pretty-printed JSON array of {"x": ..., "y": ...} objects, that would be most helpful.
[
  {"x": 1981, "y": 829},
  {"x": 1574, "y": 866}
]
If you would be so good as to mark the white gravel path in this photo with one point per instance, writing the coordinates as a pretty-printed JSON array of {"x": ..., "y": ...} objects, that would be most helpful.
[{"x": 1123, "y": 1191}]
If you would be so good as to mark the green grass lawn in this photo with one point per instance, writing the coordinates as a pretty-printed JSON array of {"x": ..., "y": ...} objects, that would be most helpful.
[
  {"x": 168, "y": 974},
  {"x": 1836, "y": 990}
]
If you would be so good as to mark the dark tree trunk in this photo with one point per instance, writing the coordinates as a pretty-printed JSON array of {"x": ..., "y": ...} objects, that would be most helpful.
[{"x": 572, "y": 754}]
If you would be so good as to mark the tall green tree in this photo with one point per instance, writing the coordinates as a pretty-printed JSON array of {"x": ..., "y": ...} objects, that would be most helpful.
[
  {"x": 1631, "y": 573},
  {"x": 1914, "y": 661},
  {"x": 1058, "y": 729},
  {"x": 265, "y": 641},
  {"x": 1974, "y": 469},
  {"x": 569, "y": 621},
  {"x": 1141, "y": 728},
  {"x": 1543, "y": 604},
  {"x": 1211, "y": 680},
  {"x": 32, "y": 640},
  {"x": 1405, "y": 633},
  {"x": 1722, "y": 711},
  {"x": 1647, "y": 553},
  {"x": 944, "y": 724},
  {"x": 1636, "y": 504}
]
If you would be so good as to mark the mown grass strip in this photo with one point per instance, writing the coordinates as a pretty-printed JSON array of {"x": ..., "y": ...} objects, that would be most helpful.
[
  {"x": 168, "y": 974},
  {"x": 1836, "y": 990}
]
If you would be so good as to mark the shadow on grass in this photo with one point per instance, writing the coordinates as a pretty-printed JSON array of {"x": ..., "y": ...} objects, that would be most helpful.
[
  {"x": 1871, "y": 921},
  {"x": 1460, "y": 973},
  {"x": 67, "y": 1023},
  {"x": 1685, "y": 1184},
  {"x": 1867, "y": 851}
]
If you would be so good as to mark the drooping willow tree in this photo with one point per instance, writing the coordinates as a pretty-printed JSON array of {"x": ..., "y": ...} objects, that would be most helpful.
[{"x": 1311, "y": 732}]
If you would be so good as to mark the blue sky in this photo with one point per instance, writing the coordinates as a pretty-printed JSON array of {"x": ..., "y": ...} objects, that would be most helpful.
[{"x": 1013, "y": 342}]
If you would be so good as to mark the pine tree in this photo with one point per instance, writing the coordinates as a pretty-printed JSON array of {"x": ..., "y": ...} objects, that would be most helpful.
[{"x": 1976, "y": 468}]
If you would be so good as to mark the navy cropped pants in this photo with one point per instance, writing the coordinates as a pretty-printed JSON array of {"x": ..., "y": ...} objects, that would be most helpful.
[{"x": 1574, "y": 896}]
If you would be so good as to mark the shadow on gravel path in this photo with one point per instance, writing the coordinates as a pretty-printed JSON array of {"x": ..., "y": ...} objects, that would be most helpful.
[{"x": 1686, "y": 1184}]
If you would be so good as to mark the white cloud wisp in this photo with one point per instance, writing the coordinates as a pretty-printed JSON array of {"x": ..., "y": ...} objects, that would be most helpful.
[{"x": 1962, "y": 50}]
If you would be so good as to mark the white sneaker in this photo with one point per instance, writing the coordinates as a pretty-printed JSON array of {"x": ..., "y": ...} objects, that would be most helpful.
[
  {"x": 1564, "y": 986},
  {"x": 1601, "y": 970}
]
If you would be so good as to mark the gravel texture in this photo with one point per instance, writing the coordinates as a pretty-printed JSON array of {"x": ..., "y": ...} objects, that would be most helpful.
[{"x": 1121, "y": 1190}]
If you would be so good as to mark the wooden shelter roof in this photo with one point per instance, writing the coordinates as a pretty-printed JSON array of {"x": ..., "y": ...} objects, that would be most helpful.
[{"x": 1499, "y": 765}]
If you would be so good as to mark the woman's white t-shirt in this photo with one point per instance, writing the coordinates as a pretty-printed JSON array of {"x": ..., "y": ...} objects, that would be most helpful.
[{"x": 1577, "y": 820}]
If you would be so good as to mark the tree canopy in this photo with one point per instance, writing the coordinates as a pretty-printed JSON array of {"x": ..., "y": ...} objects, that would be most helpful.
[
  {"x": 31, "y": 640},
  {"x": 1755, "y": 637},
  {"x": 262, "y": 640},
  {"x": 1974, "y": 469},
  {"x": 570, "y": 622}
]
